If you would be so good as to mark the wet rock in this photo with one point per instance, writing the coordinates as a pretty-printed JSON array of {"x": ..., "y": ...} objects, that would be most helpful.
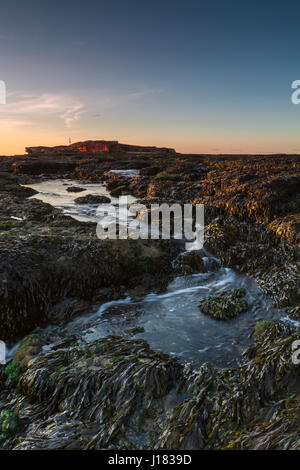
[
  {"x": 69, "y": 308},
  {"x": 92, "y": 199},
  {"x": 39, "y": 211},
  {"x": 109, "y": 293},
  {"x": 75, "y": 189},
  {"x": 9, "y": 423},
  {"x": 226, "y": 305},
  {"x": 123, "y": 311},
  {"x": 150, "y": 171},
  {"x": 29, "y": 347},
  {"x": 135, "y": 330},
  {"x": 294, "y": 312},
  {"x": 117, "y": 184},
  {"x": 43, "y": 166},
  {"x": 10, "y": 185},
  {"x": 194, "y": 262},
  {"x": 39, "y": 272}
]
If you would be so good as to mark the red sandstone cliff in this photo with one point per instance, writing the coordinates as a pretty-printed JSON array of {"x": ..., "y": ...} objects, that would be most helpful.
[{"x": 99, "y": 146}]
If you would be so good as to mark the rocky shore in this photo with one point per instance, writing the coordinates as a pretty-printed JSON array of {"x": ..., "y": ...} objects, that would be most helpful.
[{"x": 60, "y": 392}]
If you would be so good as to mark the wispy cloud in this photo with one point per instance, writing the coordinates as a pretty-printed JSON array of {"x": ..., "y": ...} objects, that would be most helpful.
[
  {"x": 27, "y": 107},
  {"x": 8, "y": 124},
  {"x": 72, "y": 114},
  {"x": 140, "y": 94},
  {"x": 112, "y": 100},
  {"x": 33, "y": 109}
]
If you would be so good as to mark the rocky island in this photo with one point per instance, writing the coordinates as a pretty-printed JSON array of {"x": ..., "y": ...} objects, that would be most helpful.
[{"x": 84, "y": 367}]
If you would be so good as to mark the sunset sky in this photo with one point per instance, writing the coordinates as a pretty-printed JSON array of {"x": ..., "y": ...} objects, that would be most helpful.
[{"x": 198, "y": 76}]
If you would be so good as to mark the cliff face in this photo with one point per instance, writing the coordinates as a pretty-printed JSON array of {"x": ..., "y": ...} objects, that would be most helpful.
[
  {"x": 99, "y": 146},
  {"x": 95, "y": 146}
]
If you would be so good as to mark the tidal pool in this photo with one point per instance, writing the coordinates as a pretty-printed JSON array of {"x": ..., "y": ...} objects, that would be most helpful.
[{"x": 172, "y": 321}]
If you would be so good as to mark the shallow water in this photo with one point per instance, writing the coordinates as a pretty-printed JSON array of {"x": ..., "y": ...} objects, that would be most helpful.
[
  {"x": 173, "y": 322},
  {"x": 170, "y": 322},
  {"x": 55, "y": 192},
  {"x": 121, "y": 210},
  {"x": 126, "y": 173}
]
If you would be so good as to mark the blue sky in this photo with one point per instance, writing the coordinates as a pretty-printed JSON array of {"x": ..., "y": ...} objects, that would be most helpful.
[{"x": 199, "y": 76}]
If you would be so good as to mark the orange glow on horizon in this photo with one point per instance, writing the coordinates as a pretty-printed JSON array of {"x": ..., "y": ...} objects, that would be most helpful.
[{"x": 14, "y": 143}]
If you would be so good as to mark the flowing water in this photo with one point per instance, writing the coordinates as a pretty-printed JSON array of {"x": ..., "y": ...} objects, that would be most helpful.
[
  {"x": 55, "y": 192},
  {"x": 172, "y": 321}
]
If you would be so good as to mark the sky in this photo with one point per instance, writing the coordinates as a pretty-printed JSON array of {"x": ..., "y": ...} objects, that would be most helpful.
[{"x": 198, "y": 76}]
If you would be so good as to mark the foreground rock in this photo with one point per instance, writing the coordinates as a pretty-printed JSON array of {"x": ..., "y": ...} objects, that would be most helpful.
[
  {"x": 91, "y": 396},
  {"x": 116, "y": 393}
]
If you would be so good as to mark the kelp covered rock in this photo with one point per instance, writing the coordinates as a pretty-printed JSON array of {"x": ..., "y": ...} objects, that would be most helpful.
[
  {"x": 39, "y": 272},
  {"x": 102, "y": 394},
  {"x": 225, "y": 404},
  {"x": 118, "y": 393},
  {"x": 225, "y": 305},
  {"x": 255, "y": 249}
]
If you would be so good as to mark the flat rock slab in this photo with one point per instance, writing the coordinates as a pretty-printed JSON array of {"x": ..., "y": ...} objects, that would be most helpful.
[{"x": 92, "y": 199}]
